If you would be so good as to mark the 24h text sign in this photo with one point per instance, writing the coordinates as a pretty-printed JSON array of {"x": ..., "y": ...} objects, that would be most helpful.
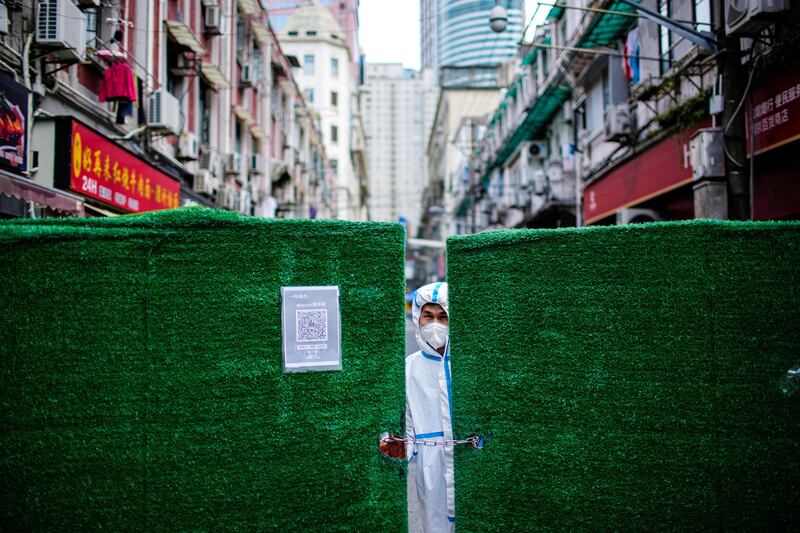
[{"x": 103, "y": 170}]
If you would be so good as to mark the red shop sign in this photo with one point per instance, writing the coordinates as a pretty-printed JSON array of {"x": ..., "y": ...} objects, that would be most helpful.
[
  {"x": 653, "y": 172},
  {"x": 101, "y": 169},
  {"x": 776, "y": 108}
]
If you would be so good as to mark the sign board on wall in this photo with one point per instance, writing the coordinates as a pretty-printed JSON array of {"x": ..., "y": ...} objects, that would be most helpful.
[
  {"x": 776, "y": 110},
  {"x": 91, "y": 164},
  {"x": 13, "y": 125},
  {"x": 311, "y": 329}
]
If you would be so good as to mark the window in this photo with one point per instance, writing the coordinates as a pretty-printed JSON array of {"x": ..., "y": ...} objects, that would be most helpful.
[
  {"x": 664, "y": 38},
  {"x": 308, "y": 64},
  {"x": 335, "y": 166},
  {"x": 334, "y": 134},
  {"x": 309, "y": 94},
  {"x": 258, "y": 64},
  {"x": 334, "y": 98},
  {"x": 205, "y": 112},
  {"x": 334, "y": 67},
  {"x": 91, "y": 26},
  {"x": 702, "y": 15},
  {"x": 242, "y": 40},
  {"x": 594, "y": 106},
  {"x": 311, "y": 33}
]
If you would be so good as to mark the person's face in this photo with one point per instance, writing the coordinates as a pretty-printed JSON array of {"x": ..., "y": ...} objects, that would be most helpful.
[{"x": 432, "y": 313}]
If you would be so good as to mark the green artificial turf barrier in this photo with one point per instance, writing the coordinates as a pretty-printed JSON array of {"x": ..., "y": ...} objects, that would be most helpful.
[
  {"x": 627, "y": 378},
  {"x": 141, "y": 385}
]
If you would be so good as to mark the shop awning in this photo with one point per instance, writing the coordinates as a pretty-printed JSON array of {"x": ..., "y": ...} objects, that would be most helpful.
[
  {"x": 538, "y": 117},
  {"x": 29, "y": 191},
  {"x": 261, "y": 33},
  {"x": 280, "y": 171},
  {"x": 463, "y": 206},
  {"x": 248, "y": 7},
  {"x": 213, "y": 75},
  {"x": 184, "y": 36},
  {"x": 243, "y": 114},
  {"x": 555, "y": 12},
  {"x": 647, "y": 174},
  {"x": 530, "y": 57},
  {"x": 606, "y": 29},
  {"x": 258, "y": 133}
]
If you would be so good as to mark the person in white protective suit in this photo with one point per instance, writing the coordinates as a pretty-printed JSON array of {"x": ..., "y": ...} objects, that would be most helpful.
[{"x": 431, "y": 494}]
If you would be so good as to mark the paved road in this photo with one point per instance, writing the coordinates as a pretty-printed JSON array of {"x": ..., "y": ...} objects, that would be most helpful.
[{"x": 411, "y": 339}]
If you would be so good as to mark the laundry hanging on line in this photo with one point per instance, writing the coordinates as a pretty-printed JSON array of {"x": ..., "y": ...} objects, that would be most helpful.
[{"x": 118, "y": 84}]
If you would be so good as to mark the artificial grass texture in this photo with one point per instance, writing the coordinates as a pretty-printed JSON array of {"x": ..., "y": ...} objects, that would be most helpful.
[
  {"x": 627, "y": 377},
  {"x": 141, "y": 384}
]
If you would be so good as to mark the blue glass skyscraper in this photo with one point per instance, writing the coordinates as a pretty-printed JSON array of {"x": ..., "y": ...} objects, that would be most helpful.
[{"x": 456, "y": 33}]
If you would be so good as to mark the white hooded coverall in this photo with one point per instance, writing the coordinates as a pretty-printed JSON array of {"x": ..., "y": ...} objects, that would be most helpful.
[{"x": 431, "y": 484}]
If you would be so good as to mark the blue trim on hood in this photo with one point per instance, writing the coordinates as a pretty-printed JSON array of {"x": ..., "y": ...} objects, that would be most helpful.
[
  {"x": 435, "y": 296},
  {"x": 436, "y": 358}
]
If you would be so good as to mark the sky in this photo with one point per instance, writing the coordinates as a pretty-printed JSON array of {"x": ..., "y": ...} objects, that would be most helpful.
[{"x": 389, "y": 29}]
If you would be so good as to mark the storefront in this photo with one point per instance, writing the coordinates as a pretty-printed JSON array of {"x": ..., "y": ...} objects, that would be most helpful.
[
  {"x": 658, "y": 178},
  {"x": 110, "y": 178},
  {"x": 774, "y": 138}
]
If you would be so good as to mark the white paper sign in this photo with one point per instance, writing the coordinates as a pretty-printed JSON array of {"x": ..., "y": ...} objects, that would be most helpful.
[{"x": 311, "y": 329}]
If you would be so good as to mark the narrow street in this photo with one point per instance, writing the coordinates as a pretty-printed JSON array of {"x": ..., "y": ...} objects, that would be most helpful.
[{"x": 411, "y": 338}]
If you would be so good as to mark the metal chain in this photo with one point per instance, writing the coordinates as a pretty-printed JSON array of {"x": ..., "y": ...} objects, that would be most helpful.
[{"x": 473, "y": 440}]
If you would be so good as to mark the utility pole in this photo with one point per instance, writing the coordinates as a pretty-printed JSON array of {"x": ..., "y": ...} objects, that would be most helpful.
[{"x": 733, "y": 80}]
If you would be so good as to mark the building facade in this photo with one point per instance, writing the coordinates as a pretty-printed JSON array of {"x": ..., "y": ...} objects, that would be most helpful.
[
  {"x": 393, "y": 103},
  {"x": 344, "y": 11},
  {"x": 460, "y": 113},
  {"x": 613, "y": 118},
  {"x": 456, "y": 33},
  {"x": 131, "y": 106},
  {"x": 313, "y": 36}
]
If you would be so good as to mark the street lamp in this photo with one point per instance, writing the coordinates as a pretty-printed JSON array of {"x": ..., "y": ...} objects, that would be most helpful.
[{"x": 498, "y": 18}]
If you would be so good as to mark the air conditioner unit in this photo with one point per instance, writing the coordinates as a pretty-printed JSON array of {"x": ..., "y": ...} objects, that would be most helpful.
[
  {"x": 163, "y": 112},
  {"x": 60, "y": 25},
  {"x": 208, "y": 161},
  {"x": 707, "y": 153},
  {"x": 188, "y": 147},
  {"x": 248, "y": 74},
  {"x": 637, "y": 216},
  {"x": 212, "y": 19},
  {"x": 233, "y": 163},
  {"x": 205, "y": 182},
  {"x": 256, "y": 164},
  {"x": 229, "y": 197},
  {"x": 617, "y": 122},
  {"x": 749, "y": 17},
  {"x": 537, "y": 150}
]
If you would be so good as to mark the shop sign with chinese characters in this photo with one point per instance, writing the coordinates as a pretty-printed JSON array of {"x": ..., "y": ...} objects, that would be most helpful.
[
  {"x": 776, "y": 110},
  {"x": 103, "y": 170},
  {"x": 311, "y": 328}
]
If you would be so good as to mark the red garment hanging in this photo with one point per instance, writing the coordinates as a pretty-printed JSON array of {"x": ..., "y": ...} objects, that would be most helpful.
[{"x": 118, "y": 84}]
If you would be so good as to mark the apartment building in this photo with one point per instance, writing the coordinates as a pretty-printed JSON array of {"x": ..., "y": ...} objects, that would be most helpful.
[{"x": 128, "y": 106}]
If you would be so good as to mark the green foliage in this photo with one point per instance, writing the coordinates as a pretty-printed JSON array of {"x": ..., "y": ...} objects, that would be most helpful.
[
  {"x": 687, "y": 114},
  {"x": 141, "y": 384},
  {"x": 627, "y": 377}
]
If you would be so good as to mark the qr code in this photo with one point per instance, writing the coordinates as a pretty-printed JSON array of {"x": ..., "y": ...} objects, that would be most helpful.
[{"x": 312, "y": 325}]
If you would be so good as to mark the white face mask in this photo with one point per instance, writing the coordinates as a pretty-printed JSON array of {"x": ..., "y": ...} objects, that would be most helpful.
[{"x": 435, "y": 334}]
